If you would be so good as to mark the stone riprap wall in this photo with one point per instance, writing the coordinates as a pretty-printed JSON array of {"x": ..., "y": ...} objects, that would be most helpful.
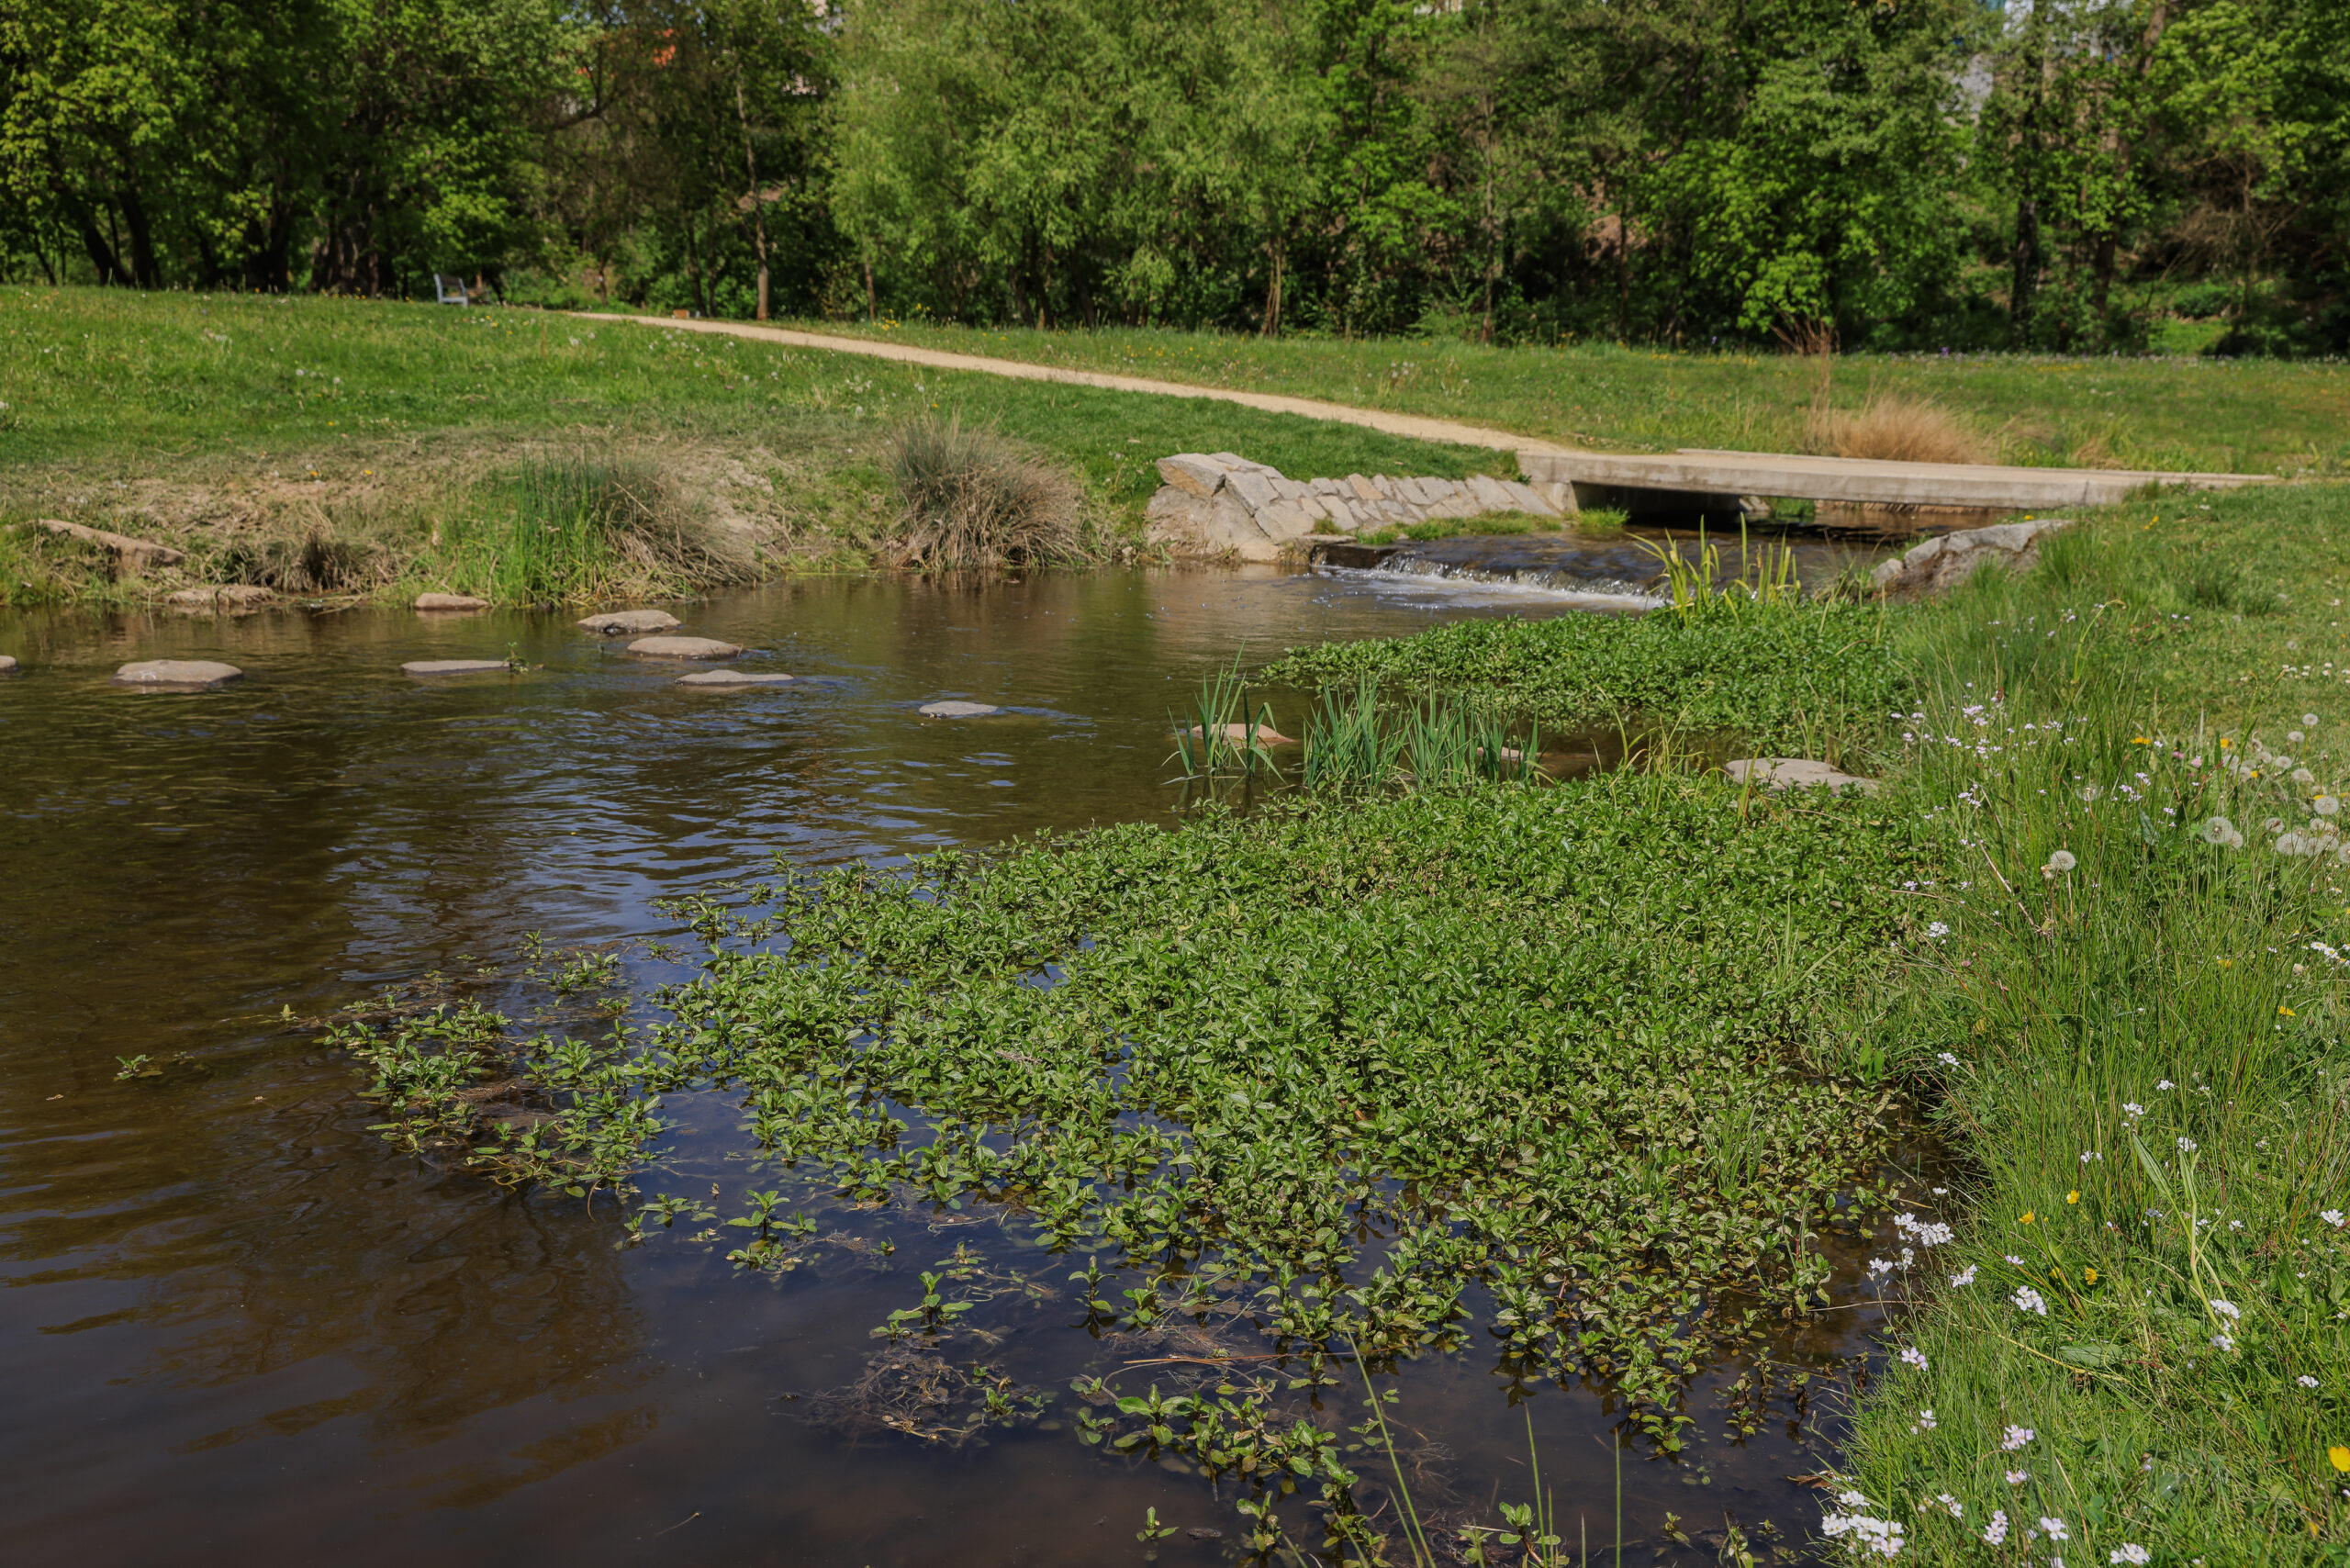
[{"x": 1218, "y": 503}]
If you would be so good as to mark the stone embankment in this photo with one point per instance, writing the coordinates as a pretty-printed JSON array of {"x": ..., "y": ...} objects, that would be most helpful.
[{"x": 1219, "y": 503}]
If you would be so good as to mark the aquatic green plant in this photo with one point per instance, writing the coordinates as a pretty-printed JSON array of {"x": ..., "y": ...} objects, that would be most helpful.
[
  {"x": 1224, "y": 734},
  {"x": 1776, "y": 673}
]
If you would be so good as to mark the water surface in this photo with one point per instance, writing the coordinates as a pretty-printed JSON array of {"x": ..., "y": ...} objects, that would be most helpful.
[{"x": 239, "y": 1327}]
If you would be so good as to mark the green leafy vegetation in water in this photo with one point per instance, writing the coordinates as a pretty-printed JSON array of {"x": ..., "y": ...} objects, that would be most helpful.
[
  {"x": 1787, "y": 674},
  {"x": 1317, "y": 1073}
]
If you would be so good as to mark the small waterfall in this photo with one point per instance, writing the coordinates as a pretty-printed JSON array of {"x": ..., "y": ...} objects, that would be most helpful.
[{"x": 1549, "y": 581}]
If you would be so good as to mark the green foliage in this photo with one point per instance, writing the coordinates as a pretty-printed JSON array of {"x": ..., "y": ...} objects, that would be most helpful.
[{"x": 1779, "y": 673}]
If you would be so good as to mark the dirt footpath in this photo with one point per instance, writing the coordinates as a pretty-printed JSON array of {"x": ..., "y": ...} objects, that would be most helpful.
[{"x": 906, "y": 353}]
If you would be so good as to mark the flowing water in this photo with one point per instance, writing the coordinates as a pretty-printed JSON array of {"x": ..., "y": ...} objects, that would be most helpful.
[{"x": 239, "y": 1326}]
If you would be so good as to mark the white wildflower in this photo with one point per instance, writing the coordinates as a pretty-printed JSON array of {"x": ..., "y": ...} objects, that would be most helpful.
[
  {"x": 1915, "y": 1356},
  {"x": 2129, "y": 1551},
  {"x": 2186, "y": 1146},
  {"x": 2053, "y": 1529},
  {"x": 2015, "y": 1438},
  {"x": 2018, "y": 1478},
  {"x": 1947, "y": 1059},
  {"x": 1996, "y": 1533},
  {"x": 2332, "y": 1217},
  {"x": 2225, "y": 1309},
  {"x": 1957, "y": 1509},
  {"x": 2165, "y": 1086},
  {"x": 2223, "y": 1342},
  {"x": 2306, "y": 1381},
  {"x": 1963, "y": 1278}
]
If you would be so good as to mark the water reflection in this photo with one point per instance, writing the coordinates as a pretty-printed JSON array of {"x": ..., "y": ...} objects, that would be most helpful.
[{"x": 236, "y": 1323}]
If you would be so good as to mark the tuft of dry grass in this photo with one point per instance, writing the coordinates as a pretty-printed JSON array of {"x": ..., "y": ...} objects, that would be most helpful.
[
  {"x": 1899, "y": 430},
  {"x": 970, "y": 498}
]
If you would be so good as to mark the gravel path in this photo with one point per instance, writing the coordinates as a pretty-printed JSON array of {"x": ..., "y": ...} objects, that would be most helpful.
[{"x": 906, "y": 353}]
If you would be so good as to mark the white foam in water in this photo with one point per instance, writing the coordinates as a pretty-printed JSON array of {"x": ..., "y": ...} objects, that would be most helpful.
[{"x": 1457, "y": 583}]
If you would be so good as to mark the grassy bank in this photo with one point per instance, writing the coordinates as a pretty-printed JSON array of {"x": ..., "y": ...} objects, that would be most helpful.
[
  {"x": 2224, "y": 416},
  {"x": 241, "y": 428}
]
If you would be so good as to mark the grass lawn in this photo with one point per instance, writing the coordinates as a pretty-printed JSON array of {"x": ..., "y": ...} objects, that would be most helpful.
[
  {"x": 2224, "y": 416},
  {"x": 201, "y": 417}
]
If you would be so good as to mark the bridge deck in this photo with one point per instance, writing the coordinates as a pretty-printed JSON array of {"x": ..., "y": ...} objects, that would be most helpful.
[{"x": 1858, "y": 479}]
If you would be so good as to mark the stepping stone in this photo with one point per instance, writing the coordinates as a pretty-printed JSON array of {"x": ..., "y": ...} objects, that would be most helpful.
[
  {"x": 958, "y": 709},
  {"x": 731, "y": 678},
  {"x": 449, "y": 601},
  {"x": 8, "y": 665},
  {"x": 1794, "y": 773},
  {"x": 620, "y": 621},
  {"x": 453, "y": 666},
  {"x": 227, "y": 596},
  {"x": 1238, "y": 734},
  {"x": 177, "y": 675},
  {"x": 682, "y": 648}
]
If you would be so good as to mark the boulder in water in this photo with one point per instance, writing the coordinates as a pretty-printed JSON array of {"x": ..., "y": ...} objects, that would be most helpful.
[
  {"x": 958, "y": 709},
  {"x": 616, "y": 622},
  {"x": 8, "y": 665},
  {"x": 682, "y": 648},
  {"x": 177, "y": 675},
  {"x": 732, "y": 680},
  {"x": 454, "y": 666},
  {"x": 1794, "y": 773},
  {"x": 449, "y": 601}
]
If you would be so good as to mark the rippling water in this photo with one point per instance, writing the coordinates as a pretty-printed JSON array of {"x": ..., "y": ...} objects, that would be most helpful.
[{"x": 239, "y": 1326}]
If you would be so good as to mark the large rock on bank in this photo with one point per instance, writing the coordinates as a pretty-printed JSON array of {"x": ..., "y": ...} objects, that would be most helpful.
[
  {"x": 1943, "y": 562},
  {"x": 1220, "y": 503},
  {"x": 224, "y": 598},
  {"x": 1795, "y": 773}
]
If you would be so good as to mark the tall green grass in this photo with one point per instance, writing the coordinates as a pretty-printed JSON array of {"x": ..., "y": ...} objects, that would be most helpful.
[
  {"x": 570, "y": 531},
  {"x": 2130, "y": 1013}
]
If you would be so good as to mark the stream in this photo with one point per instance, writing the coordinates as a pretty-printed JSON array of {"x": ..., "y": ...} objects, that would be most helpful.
[{"x": 239, "y": 1326}]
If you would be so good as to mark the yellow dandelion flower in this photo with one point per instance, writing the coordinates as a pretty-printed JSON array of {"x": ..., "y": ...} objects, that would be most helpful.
[
  {"x": 2073, "y": 1196},
  {"x": 2026, "y": 1219},
  {"x": 2088, "y": 1276},
  {"x": 2286, "y": 1012},
  {"x": 2140, "y": 740},
  {"x": 2341, "y": 1458}
]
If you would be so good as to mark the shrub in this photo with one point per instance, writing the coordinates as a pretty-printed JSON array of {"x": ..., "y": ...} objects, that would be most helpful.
[
  {"x": 1900, "y": 430},
  {"x": 970, "y": 498}
]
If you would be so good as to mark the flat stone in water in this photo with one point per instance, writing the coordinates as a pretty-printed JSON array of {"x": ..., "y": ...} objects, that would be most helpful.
[
  {"x": 1238, "y": 735},
  {"x": 682, "y": 648},
  {"x": 734, "y": 678},
  {"x": 958, "y": 709},
  {"x": 449, "y": 601},
  {"x": 623, "y": 620},
  {"x": 452, "y": 666},
  {"x": 1794, "y": 773},
  {"x": 177, "y": 675},
  {"x": 7, "y": 663}
]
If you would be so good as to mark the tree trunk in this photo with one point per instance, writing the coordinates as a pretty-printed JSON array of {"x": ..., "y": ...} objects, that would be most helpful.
[
  {"x": 1272, "y": 327},
  {"x": 750, "y": 174},
  {"x": 870, "y": 313}
]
